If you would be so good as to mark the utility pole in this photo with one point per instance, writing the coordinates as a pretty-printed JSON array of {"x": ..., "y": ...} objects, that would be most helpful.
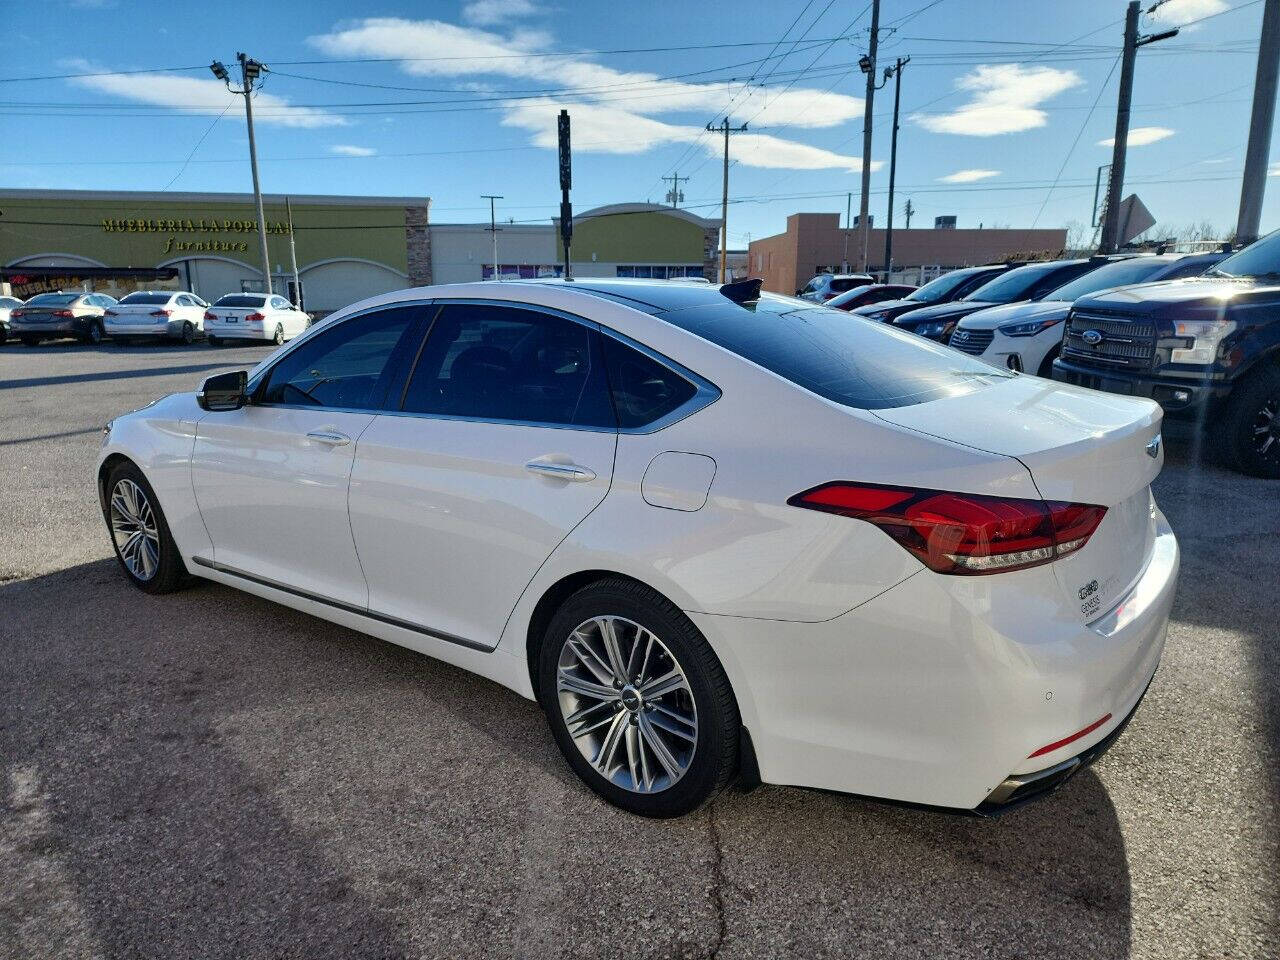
[
  {"x": 896, "y": 72},
  {"x": 868, "y": 65},
  {"x": 909, "y": 211},
  {"x": 1254, "y": 184},
  {"x": 250, "y": 70},
  {"x": 848, "y": 225},
  {"x": 724, "y": 201},
  {"x": 674, "y": 194},
  {"x": 493, "y": 229},
  {"x": 293, "y": 256},
  {"x": 564, "y": 155},
  {"x": 1115, "y": 186}
]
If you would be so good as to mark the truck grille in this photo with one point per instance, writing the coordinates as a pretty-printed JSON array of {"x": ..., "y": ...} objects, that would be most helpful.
[
  {"x": 974, "y": 342},
  {"x": 1109, "y": 341}
]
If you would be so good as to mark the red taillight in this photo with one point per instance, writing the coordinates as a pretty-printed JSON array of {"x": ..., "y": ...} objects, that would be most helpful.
[
  {"x": 162, "y": 313},
  {"x": 255, "y": 317},
  {"x": 210, "y": 315},
  {"x": 63, "y": 313},
  {"x": 18, "y": 313},
  {"x": 962, "y": 533}
]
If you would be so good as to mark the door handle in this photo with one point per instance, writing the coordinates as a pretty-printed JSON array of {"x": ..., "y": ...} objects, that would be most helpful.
[
  {"x": 331, "y": 437},
  {"x": 560, "y": 471}
]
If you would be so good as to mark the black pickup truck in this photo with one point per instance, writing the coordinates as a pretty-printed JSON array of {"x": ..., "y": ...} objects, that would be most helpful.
[{"x": 1207, "y": 349}]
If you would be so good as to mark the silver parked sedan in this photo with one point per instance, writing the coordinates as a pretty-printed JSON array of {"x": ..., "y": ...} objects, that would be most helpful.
[{"x": 60, "y": 316}]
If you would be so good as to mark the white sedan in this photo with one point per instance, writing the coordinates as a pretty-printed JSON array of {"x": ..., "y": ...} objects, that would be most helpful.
[
  {"x": 156, "y": 314},
  {"x": 713, "y": 532},
  {"x": 254, "y": 316}
]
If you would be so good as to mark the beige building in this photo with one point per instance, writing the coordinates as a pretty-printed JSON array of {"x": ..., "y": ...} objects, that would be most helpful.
[{"x": 815, "y": 243}]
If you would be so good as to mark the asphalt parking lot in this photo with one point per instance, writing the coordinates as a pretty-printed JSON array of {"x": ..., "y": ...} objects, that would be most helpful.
[{"x": 207, "y": 774}]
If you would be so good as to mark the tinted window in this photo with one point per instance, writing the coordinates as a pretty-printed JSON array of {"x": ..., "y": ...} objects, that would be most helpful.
[
  {"x": 346, "y": 366},
  {"x": 52, "y": 299},
  {"x": 240, "y": 300},
  {"x": 841, "y": 284},
  {"x": 1117, "y": 274},
  {"x": 147, "y": 298},
  {"x": 504, "y": 363},
  {"x": 1192, "y": 269},
  {"x": 856, "y": 362},
  {"x": 1259, "y": 259},
  {"x": 644, "y": 390},
  {"x": 1021, "y": 283},
  {"x": 280, "y": 303},
  {"x": 937, "y": 291}
]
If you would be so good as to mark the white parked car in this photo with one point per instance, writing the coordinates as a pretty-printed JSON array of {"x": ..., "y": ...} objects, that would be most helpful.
[
  {"x": 712, "y": 532},
  {"x": 157, "y": 314},
  {"x": 254, "y": 316},
  {"x": 7, "y": 306},
  {"x": 1028, "y": 335},
  {"x": 827, "y": 285}
]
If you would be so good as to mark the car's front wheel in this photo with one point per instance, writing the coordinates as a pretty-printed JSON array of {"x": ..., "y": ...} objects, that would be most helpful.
[
  {"x": 638, "y": 703},
  {"x": 93, "y": 335},
  {"x": 1250, "y": 439},
  {"x": 188, "y": 332},
  {"x": 278, "y": 338},
  {"x": 139, "y": 533}
]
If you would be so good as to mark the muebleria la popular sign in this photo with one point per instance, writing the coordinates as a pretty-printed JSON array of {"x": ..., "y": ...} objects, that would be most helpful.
[{"x": 201, "y": 225}]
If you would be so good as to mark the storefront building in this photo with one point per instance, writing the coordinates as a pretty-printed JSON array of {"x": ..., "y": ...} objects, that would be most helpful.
[
  {"x": 347, "y": 248},
  {"x": 815, "y": 243}
]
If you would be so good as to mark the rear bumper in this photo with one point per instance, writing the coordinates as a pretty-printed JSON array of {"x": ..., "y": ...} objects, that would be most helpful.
[
  {"x": 235, "y": 331},
  {"x": 939, "y": 690},
  {"x": 62, "y": 328},
  {"x": 1181, "y": 397}
]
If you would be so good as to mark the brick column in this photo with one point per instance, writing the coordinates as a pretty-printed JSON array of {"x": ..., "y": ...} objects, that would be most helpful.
[
  {"x": 711, "y": 253},
  {"x": 417, "y": 241}
]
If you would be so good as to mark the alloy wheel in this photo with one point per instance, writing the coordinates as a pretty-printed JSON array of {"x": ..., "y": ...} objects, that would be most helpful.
[
  {"x": 627, "y": 704},
  {"x": 279, "y": 337},
  {"x": 1266, "y": 430},
  {"x": 134, "y": 529}
]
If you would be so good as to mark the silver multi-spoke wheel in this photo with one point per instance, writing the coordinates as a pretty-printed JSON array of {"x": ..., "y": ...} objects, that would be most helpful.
[
  {"x": 627, "y": 704},
  {"x": 134, "y": 529}
]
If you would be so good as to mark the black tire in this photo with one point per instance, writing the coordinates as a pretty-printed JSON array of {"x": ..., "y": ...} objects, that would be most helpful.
[
  {"x": 279, "y": 335},
  {"x": 715, "y": 754},
  {"x": 1249, "y": 439},
  {"x": 188, "y": 333},
  {"x": 31, "y": 341},
  {"x": 1046, "y": 365},
  {"x": 214, "y": 341},
  {"x": 170, "y": 572},
  {"x": 93, "y": 335}
]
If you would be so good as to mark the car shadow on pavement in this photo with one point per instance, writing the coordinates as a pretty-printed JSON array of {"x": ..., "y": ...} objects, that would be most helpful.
[
  {"x": 208, "y": 773},
  {"x": 131, "y": 374}
]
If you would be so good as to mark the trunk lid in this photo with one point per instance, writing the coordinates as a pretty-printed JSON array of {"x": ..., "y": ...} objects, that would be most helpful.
[{"x": 1080, "y": 446}]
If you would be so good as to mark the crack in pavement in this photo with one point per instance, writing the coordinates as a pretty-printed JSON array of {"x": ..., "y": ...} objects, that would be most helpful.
[{"x": 717, "y": 881}]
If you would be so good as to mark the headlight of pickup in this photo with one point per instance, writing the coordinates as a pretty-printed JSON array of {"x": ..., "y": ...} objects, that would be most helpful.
[
  {"x": 1028, "y": 328},
  {"x": 1201, "y": 340}
]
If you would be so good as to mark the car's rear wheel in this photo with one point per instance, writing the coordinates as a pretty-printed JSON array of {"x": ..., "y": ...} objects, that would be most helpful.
[
  {"x": 278, "y": 338},
  {"x": 1251, "y": 435},
  {"x": 638, "y": 703},
  {"x": 139, "y": 533},
  {"x": 214, "y": 341},
  {"x": 31, "y": 341}
]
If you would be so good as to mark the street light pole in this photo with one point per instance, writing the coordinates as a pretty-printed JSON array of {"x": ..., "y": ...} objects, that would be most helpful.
[
  {"x": 896, "y": 71},
  {"x": 868, "y": 64},
  {"x": 1264, "y": 110},
  {"x": 250, "y": 70},
  {"x": 293, "y": 256},
  {"x": 493, "y": 229}
]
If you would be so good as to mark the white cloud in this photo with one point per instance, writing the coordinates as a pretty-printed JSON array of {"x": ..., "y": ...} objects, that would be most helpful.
[
  {"x": 969, "y": 176},
  {"x": 613, "y": 110},
  {"x": 495, "y": 13},
  {"x": 1274, "y": 170},
  {"x": 1173, "y": 13},
  {"x": 1004, "y": 99},
  {"x": 1140, "y": 136},
  {"x": 200, "y": 96},
  {"x": 351, "y": 150}
]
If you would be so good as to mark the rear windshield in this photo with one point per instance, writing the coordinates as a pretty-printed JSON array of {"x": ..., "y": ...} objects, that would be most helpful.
[
  {"x": 936, "y": 290},
  {"x": 1112, "y": 275},
  {"x": 840, "y": 356},
  {"x": 53, "y": 299},
  {"x": 841, "y": 284},
  {"x": 147, "y": 298},
  {"x": 241, "y": 300},
  {"x": 1014, "y": 285}
]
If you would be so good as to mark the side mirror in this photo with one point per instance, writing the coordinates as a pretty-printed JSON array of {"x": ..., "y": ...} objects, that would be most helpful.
[{"x": 226, "y": 391}]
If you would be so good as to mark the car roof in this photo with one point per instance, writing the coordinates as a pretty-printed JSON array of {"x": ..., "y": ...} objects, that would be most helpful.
[{"x": 656, "y": 295}]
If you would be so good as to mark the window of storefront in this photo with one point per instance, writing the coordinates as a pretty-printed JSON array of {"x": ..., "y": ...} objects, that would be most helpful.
[
  {"x": 660, "y": 272},
  {"x": 521, "y": 271}
]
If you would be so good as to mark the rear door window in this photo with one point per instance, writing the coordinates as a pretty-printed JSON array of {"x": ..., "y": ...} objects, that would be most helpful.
[
  {"x": 842, "y": 357},
  {"x": 644, "y": 389},
  {"x": 493, "y": 362}
]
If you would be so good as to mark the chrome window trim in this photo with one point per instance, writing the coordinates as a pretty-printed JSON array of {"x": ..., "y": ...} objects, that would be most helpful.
[{"x": 705, "y": 392}]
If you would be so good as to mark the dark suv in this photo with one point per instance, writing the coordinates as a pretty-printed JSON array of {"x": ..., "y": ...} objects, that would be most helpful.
[{"x": 1206, "y": 349}]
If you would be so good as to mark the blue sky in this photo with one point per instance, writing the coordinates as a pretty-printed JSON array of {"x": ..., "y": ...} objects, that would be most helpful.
[{"x": 464, "y": 97}]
